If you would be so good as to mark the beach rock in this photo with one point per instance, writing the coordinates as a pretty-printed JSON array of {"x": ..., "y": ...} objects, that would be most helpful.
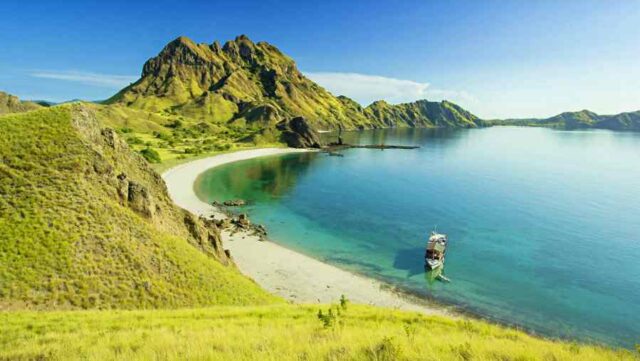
[
  {"x": 297, "y": 133},
  {"x": 243, "y": 221},
  {"x": 223, "y": 223},
  {"x": 260, "y": 231},
  {"x": 234, "y": 203}
]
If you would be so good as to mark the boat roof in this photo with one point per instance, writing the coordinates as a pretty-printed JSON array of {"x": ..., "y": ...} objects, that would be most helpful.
[{"x": 436, "y": 246}]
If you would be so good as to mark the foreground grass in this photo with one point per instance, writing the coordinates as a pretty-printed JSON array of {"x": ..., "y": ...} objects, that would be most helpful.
[{"x": 282, "y": 332}]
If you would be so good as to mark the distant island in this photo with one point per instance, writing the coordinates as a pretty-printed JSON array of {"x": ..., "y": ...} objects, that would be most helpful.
[{"x": 583, "y": 119}]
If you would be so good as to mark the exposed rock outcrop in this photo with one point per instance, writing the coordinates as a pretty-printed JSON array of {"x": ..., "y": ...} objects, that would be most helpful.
[
  {"x": 137, "y": 186},
  {"x": 12, "y": 104},
  {"x": 297, "y": 133}
]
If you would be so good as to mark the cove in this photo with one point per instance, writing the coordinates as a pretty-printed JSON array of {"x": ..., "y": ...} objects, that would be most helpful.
[{"x": 544, "y": 225}]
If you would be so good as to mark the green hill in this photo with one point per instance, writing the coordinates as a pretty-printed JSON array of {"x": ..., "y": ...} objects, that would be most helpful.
[
  {"x": 421, "y": 113},
  {"x": 12, "y": 104},
  {"x": 86, "y": 223},
  {"x": 583, "y": 119},
  {"x": 255, "y": 85}
]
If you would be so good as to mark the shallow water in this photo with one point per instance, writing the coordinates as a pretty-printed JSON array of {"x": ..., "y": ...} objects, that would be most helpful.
[{"x": 544, "y": 225}]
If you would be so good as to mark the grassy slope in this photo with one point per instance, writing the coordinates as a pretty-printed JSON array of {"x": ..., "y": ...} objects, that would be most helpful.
[
  {"x": 67, "y": 240},
  {"x": 273, "y": 333}
]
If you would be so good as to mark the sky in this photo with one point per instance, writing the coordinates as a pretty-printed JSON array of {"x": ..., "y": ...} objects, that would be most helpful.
[{"x": 498, "y": 59}]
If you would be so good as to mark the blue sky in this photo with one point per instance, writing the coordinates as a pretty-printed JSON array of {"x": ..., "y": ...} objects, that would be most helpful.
[{"x": 496, "y": 58}]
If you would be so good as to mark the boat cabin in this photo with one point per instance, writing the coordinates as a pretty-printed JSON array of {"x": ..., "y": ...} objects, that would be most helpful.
[{"x": 435, "y": 250}]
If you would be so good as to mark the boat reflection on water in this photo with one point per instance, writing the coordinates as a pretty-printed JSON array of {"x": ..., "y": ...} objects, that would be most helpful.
[{"x": 435, "y": 275}]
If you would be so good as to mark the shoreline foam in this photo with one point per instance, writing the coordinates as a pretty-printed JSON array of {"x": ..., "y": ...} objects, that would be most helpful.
[{"x": 289, "y": 274}]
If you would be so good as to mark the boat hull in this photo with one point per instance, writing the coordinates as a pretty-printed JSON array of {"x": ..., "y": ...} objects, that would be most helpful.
[{"x": 433, "y": 264}]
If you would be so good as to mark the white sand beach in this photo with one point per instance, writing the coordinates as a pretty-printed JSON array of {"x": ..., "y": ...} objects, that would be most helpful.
[{"x": 291, "y": 275}]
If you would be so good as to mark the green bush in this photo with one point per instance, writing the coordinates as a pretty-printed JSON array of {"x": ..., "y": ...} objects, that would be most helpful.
[
  {"x": 150, "y": 155},
  {"x": 133, "y": 140}
]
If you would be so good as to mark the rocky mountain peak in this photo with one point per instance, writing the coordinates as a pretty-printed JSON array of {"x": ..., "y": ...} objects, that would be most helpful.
[
  {"x": 256, "y": 85},
  {"x": 241, "y": 47}
]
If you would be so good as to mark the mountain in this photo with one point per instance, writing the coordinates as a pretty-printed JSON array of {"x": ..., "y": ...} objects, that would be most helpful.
[
  {"x": 421, "y": 113},
  {"x": 12, "y": 104},
  {"x": 583, "y": 119},
  {"x": 86, "y": 223},
  {"x": 255, "y": 86}
]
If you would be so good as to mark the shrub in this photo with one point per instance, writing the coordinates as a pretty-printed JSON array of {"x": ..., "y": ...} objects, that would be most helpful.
[
  {"x": 343, "y": 302},
  {"x": 174, "y": 124},
  {"x": 385, "y": 350},
  {"x": 150, "y": 155},
  {"x": 134, "y": 140},
  {"x": 222, "y": 147}
]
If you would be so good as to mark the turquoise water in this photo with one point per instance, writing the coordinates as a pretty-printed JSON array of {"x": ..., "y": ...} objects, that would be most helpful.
[{"x": 544, "y": 225}]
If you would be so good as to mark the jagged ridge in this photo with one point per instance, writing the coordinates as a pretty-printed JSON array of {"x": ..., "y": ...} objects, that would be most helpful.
[{"x": 256, "y": 86}]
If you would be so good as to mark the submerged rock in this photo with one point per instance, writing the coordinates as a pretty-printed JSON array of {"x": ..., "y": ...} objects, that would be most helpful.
[{"x": 234, "y": 203}]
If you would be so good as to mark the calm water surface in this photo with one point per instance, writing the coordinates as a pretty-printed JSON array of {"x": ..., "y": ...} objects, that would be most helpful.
[{"x": 544, "y": 225}]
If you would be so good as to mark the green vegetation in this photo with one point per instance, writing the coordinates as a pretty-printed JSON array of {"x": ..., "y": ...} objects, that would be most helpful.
[
  {"x": 175, "y": 138},
  {"x": 11, "y": 104},
  {"x": 150, "y": 155},
  {"x": 274, "y": 333},
  {"x": 86, "y": 223}
]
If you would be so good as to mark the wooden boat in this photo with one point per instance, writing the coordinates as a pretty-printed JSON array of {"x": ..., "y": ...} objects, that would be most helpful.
[{"x": 436, "y": 250}]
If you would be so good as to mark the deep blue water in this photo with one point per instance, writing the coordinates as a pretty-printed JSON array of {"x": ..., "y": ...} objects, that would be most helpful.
[{"x": 544, "y": 225}]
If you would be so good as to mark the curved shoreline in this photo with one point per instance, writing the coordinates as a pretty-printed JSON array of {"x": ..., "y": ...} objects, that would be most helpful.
[{"x": 289, "y": 274}]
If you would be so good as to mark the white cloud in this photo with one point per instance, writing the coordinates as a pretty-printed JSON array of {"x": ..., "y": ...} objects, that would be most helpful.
[
  {"x": 368, "y": 88},
  {"x": 89, "y": 78}
]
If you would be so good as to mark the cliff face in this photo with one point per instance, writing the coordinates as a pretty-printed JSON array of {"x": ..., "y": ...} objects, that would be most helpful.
[
  {"x": 86, "y": 223},
  {"x": 255, "y": 85},
  {"x": 12, "y": 104}
]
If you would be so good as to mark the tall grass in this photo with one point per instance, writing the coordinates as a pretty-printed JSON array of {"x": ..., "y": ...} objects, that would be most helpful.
[{"x": 282, "y": 332}]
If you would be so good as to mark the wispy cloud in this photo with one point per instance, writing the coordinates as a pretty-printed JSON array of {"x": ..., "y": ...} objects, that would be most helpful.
[
  {"x": 368, "y": 88},
  {"x": 88, "y": 78}
]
